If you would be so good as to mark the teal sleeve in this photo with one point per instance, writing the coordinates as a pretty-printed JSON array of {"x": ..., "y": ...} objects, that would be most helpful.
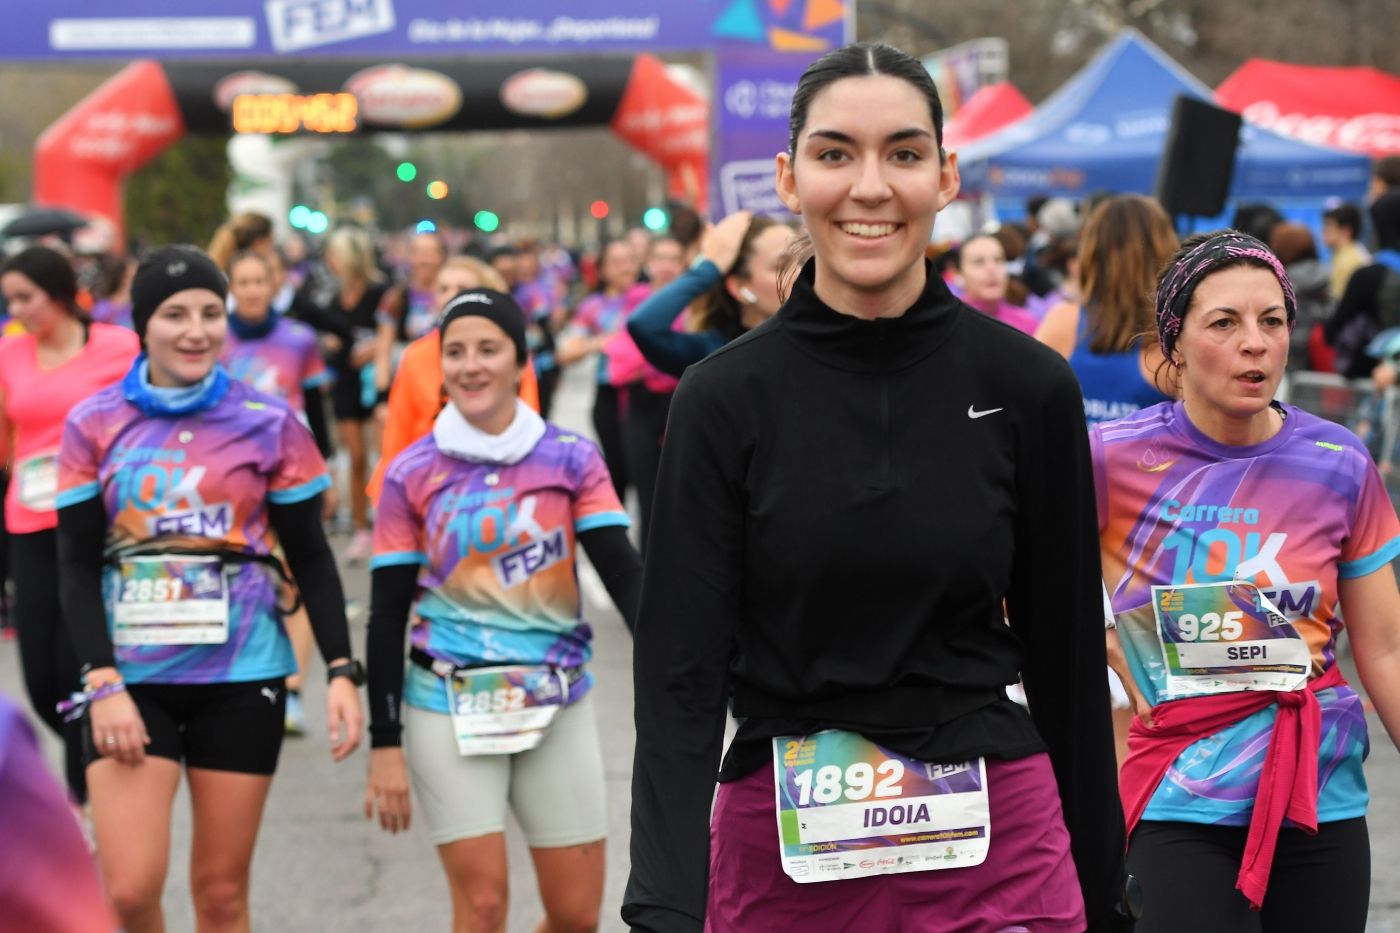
[{"x": 650, "y": 324}]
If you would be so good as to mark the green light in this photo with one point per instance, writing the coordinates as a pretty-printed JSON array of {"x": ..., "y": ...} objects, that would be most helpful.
[
  {"x": 407, "y": 171},
  {"x": 299, "y": 215},
  {"x": 487, "y": 221},
  {"x": 656, "y": 219}
]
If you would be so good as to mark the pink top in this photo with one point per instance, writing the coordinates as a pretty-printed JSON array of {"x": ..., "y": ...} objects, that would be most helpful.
[
  {"x": 37, "y": 402},
  {"x": 1007, "y": 313}
]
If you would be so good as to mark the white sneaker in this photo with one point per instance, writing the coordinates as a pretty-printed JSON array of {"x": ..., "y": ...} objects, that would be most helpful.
[{"x": 360, "y": 549}]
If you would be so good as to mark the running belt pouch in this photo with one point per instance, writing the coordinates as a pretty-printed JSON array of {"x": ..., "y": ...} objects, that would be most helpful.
[
  {"x": 426, "y": 661},
  {"x": 228, "y": 556}
]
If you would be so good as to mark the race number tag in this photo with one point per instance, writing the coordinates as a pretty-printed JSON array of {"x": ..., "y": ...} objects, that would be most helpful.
[
  {"x": 38, "y": 482},
  {"x": 503, "y": 710},
  {"x": 171, "y": 600},
  {"x": 1225, "y": 638},
  {"x": 848, "y": 808}
]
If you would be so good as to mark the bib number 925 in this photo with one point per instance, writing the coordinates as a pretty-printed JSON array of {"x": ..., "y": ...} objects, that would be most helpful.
[{"x": 1210, "y": 626}]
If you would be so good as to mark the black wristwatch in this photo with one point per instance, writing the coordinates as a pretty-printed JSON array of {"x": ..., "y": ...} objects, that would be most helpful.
[
  {"x": 352, "y": 669},
  {"x": 1130, "y": 904}
]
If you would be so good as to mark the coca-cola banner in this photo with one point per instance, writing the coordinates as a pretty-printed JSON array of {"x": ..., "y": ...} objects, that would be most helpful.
[
  {"x": 1348, "y": 108},
  {"x": 263, "y": 29}
]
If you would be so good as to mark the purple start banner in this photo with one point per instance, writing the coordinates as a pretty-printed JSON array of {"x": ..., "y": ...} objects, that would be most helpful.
[
  {"x": 752, "y": 98},
  {"x": 236, "y": 29}
]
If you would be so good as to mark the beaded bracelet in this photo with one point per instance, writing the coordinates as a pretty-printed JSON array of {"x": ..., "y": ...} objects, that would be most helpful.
[{"x": 77, "y": 703}]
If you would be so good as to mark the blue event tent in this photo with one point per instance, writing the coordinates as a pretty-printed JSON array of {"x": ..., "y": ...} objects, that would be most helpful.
[{"x": 1106, "y": 130}]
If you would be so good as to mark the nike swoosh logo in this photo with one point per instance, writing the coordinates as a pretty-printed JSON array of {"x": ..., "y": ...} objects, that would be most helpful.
[{"x": 974, "y": 414}]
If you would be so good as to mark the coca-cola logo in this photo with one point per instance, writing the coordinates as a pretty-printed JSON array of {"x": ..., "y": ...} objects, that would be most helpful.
[
  {"x": 396, "y": 95},
  {"x": 1365, "y": 132},
  {"x": 249, "y": 82},
  {"x": 541, "y": 92}
]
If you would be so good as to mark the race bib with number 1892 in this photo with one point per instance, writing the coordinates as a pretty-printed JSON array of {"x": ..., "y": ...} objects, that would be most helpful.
[{"x": 848, "y": 808}]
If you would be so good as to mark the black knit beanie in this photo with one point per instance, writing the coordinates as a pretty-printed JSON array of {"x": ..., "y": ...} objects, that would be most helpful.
[
  {"x": 497, "y": 307},
  {"x": 169, "y": 270}
]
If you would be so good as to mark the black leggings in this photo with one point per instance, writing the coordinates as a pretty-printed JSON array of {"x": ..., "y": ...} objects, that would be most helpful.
[
  {"x": 1188, "y": 870},
  {"x": 641, "y": 435},
  {"x": 547, "y": 381},
  {"x": 4, "y": 552},
  {"x": 46, "y": 654},
  {"x": 607, "y": 423}
]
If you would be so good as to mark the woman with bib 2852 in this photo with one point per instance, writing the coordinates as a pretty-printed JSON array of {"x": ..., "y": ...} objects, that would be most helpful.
[
  {"x": 849, "y": 495},
  {"x": 174, "y": 487},
  {"x": 1232, "y": 529},
  {"x": 480, "y": 519}
]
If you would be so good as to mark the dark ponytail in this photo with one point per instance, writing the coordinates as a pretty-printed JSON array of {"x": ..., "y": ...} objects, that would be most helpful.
[
  {"x": 51, "y": 271},
  {"x": 860, "y": 60}
]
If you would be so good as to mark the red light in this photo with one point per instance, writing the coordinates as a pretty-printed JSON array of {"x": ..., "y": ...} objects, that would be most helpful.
[{"x": 599, "y": 209}]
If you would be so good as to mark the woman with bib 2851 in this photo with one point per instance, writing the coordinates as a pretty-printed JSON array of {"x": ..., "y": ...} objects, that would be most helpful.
[
  {"x": 1232, "y": 530},
  {"x": 848, "y": 496},
  {"x": 174, "y": 487},
  {"x": 480, "y": 520}
]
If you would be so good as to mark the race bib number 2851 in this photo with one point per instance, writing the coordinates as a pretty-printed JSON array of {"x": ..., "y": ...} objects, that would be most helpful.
[{"x": 170, "y": 600}]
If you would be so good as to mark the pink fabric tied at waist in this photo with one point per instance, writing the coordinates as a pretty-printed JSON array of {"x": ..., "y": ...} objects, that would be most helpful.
[{"x": 1287, "y": 785}]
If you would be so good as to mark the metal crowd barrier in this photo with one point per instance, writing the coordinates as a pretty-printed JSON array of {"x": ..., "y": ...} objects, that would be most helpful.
[{"x": 1372, "y": 414}]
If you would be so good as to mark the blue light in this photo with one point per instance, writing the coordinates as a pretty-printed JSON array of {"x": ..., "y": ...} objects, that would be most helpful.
[{"x": 426, "y": 226}]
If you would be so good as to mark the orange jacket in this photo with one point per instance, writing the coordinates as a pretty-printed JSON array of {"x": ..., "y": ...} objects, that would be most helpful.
[{"x": 416, "y": 397}]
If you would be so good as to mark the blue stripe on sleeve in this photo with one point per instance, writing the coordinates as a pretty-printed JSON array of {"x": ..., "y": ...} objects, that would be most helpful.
[
  {"x": 603, "y": 520},
  {"x": 300, "y": 493},
  {"x": 320, "y": 379},
  {"x": 1364, "y": 566},
  {"x": 397, "y": 559},
  {"x": 77, "y": 494}
]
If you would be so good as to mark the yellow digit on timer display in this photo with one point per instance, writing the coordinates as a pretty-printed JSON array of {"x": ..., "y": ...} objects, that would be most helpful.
[{"x": 292, "y": 113}]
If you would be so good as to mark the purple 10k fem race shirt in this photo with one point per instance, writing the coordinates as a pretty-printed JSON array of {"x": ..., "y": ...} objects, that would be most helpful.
[
  {"x": 196, "y": 482},
  {"x": 1288, "y": 518},
  {"x": 496, "y": 544}
]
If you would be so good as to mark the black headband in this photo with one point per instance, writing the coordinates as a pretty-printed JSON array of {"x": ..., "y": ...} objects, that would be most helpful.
[
  {"x": 1175, "y": 291},
  {"x": 497, "y": 307},
  {"x": 169, "y": 270}
]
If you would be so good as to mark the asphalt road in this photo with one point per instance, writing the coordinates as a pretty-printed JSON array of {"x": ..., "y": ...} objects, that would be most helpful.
[{"x": 321, "y": 867}]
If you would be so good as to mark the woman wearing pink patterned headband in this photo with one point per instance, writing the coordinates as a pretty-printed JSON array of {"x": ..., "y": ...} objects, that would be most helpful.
[{"x": 1232, "y": 527}]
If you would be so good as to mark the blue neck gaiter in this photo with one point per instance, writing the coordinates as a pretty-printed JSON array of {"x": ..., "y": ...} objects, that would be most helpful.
[{"x": 163, "y": 402}]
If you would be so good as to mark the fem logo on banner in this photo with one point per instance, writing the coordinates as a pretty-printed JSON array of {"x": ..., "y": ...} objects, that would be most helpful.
[{"x": 304, "y": 24}]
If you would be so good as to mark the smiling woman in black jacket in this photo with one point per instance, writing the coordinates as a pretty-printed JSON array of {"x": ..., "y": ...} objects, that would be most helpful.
[{"x": 848, "y": 496}]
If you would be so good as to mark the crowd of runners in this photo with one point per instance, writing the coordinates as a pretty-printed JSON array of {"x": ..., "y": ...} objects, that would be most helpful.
[{"x": 879, "y": 488}]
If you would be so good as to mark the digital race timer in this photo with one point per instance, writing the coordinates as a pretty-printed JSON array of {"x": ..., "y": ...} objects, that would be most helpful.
[{"x": 295, "y": 113}]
